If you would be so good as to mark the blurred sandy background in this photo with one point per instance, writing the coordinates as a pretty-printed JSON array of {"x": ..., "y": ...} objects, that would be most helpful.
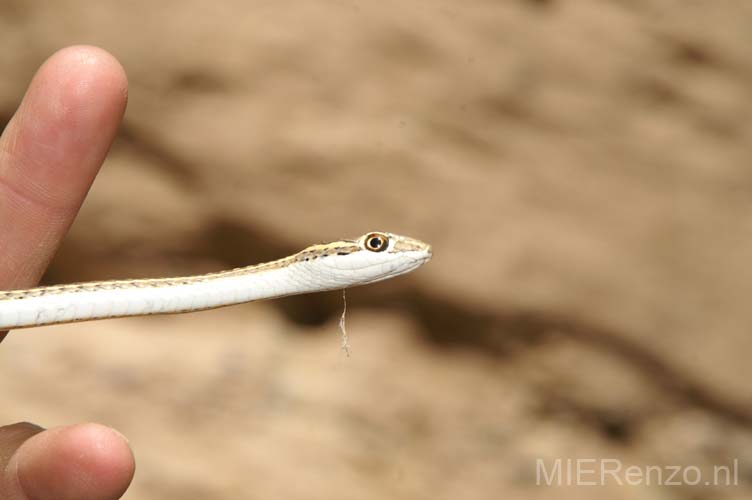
[{"x": 582, "y": 169}]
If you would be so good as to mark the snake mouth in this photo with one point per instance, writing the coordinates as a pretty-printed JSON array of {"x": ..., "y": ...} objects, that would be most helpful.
[
  {"x": 424, "y": 255},
  {"x": 415, "y": 261}
]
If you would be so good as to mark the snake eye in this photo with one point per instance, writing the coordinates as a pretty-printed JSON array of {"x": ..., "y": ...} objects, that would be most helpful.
[{"x": 377, "y": 242}]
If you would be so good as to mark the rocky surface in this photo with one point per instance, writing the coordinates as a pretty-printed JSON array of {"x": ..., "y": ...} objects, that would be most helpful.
[{"x": 581, "y": 168}]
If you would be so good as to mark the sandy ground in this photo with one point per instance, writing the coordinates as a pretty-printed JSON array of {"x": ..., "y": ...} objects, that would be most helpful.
[{"x": 581, "y": 168}]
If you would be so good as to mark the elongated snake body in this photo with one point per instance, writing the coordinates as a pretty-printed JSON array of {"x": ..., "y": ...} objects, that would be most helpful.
[{"x": 341, "y": 264}]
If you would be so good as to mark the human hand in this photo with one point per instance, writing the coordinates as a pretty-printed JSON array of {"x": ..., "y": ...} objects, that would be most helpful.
[{"x": 50, "y": 153}]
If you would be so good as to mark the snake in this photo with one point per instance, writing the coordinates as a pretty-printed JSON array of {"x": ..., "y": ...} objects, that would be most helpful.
[{"x": 338, "y": 265}]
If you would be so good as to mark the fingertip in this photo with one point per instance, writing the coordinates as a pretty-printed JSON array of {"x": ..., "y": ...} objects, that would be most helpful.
[
  {"x": 95, "y": 61},
  {"x": 80, "y": 462},
  {"x": 63, "y": 129},
  {"x": 86, "y": 78}
]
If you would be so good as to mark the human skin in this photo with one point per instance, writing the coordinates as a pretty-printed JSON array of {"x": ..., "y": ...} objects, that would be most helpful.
[{"x": 50, "y": 153}]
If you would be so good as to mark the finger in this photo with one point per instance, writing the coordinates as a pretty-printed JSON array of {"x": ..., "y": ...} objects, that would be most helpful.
[
  {"x": 50, "y": 153},
  {"x": 80, "y": 462}
]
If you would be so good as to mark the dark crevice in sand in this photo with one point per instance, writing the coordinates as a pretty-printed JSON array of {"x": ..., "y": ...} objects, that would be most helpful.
[
  {"x": 503, "y": 331},
  {"x": 184, "y": 172}
]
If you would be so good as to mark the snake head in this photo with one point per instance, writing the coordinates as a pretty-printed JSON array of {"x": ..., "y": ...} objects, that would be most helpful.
[{"x": 375, "y": 256}]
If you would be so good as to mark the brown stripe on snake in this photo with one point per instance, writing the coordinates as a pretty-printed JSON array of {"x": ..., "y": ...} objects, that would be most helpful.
[
  {"x": 344, "y": 247},
  {"x": 406, "y": 246}
]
